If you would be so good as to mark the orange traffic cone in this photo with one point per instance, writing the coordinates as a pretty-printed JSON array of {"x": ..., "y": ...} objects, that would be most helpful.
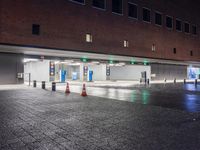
[
  {"x": 67, "y": 91},
  {"x": 84, "y": 91}
]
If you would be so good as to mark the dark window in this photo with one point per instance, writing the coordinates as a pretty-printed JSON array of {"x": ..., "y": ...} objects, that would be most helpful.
[
  {"x": 158, "y": 19},
  {"x": 178, "y": 25},
  {"x": 191, "y": 53},
  {"x": 117, "y": 6},
  {"x": 146, "y": 15},
  {"x": 132, "y": 10},
  {"x": 78, "y": 1},
  {"x": 194, "y": 30},
  {"x": 187, "y": 28},
  {"x": 99, "y": 4},
  {"x": 169, "y": 22},
  {"x": 36, "y": 29},
  {"x": 174, "y": 50}
]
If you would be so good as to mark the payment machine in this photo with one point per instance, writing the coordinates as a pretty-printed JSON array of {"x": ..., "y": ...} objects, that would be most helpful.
[
  {"x": 90, "y": 74},
  {"x": 63, "y": 75}
]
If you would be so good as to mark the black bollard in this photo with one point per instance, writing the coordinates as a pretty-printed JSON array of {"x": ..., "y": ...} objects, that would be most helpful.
[
  {"x": 184, "y": 81},
  {"x": 174, "y": 80},
  {"x": 53, "y": 86},
  {"x": 148, "y": 81},
  {"x": 140, "y": 80},
  {"x": 43, "y": 85},
  {"x": 34, "y": 83},
  {"x": 196, "y": 82}
]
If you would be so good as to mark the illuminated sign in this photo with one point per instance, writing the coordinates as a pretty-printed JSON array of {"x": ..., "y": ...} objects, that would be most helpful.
[{"x": 52, "y": 69}]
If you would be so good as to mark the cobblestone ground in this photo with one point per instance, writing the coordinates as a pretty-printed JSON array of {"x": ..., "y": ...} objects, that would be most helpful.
[{"x": 40, "y": 119}]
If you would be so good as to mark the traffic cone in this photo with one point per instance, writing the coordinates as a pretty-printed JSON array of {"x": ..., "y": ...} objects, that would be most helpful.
[
  {"x": 67, "y": 91},
  {"x": 84, "y": 91}
]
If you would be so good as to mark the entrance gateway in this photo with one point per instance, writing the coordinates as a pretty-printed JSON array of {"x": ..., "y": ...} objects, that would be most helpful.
[
  {"x": 51, "y": 70},
  {"x": 55, "y": 66}
]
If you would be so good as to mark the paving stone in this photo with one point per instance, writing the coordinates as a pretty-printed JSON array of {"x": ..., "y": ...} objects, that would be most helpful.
[{"x": 39, "y": 119}]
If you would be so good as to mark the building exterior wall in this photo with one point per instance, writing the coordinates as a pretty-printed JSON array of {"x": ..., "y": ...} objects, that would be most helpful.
[
  {"x": 129, "y": 72},
  {"x": 168, "y": 72},
  {"x": 63, "y": 25},
  {"x": 38, "y": 70},
  {"x": 10, "y": 66},
  {"x": 99, "y": 72}
]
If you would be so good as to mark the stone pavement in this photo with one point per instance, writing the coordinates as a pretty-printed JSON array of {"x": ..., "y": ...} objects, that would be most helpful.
[{"x": 43, "y": 120}]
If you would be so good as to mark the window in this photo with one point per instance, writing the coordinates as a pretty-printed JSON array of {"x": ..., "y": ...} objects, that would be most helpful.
[
  {"x": 146, "y": 15},
  {"x": 187, "y": 28},
  {"x": 125, "y": 43},
  {"x": 169, "y": 22},
  {"x": 88, "y": 38},
  {"x": 36, "y": 29},
  {"x": 178, "y": 25},
  {"x": 78, "y": 1},
  {"x": 153, "y": 48},
  {"x": 194, "y": 30},
  {"x": 158, "y": 19},
  {"x": 191, "y": 53},
  {"x": 132, "y": 10},
  {"x": 174, "y": 50},
  {"x": 117, "y": 6},
  {"x": 99, "y": 4}
]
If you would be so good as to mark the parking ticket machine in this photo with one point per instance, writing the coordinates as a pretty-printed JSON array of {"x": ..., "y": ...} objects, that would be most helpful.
[{"x": 90, "y": 74}]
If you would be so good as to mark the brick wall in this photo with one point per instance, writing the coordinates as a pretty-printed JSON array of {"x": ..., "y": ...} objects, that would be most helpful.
[{"x": 64, "y": 25}]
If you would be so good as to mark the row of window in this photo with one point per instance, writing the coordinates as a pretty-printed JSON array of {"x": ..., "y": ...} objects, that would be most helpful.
[
  {"x": 89, "y": 39},
  {"x": 126, "y": 44},
  {"x": 117, "y": 7}
]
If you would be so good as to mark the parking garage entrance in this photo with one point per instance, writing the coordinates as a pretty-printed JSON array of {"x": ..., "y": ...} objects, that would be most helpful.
[{"x": 51, "y": 70}]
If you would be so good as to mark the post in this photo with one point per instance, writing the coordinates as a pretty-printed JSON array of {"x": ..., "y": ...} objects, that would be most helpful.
[
  {"x": 43, "y": 85},
  {"x": 34, "y": 83},
  {"x": 174, "y": 80},
  {"x": 54, "y": 86},
  {"x": 148, "y": 81},
  {"x": 195, "y": 82},
  {"x": 184, "y": 81},
  {"x": 29, "y": 79}
]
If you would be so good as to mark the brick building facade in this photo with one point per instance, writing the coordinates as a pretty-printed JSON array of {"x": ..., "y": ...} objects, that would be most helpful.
[{"x": 167, "y": 30}]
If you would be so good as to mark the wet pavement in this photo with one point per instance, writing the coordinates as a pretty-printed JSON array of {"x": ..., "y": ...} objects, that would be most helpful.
[
  {"x": 45, "y": 120},
  {"x": 177, "y": 96}
]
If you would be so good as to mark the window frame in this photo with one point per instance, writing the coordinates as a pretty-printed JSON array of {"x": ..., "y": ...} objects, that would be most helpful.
[
  {"x": 169, "y": 28},
  {"x": 103, "y": 9},
  {"x": 143, "y": 15},
  {"x": 126, "y": 44},
  {"x": 73, "y": 1},
  {"x": 188, "y": 28},
  {"x": 157, "y": 12},
  {"x": 177, "y": 19},
  {"x": 191, "y": 53},
  {"x": 34, "y": 31},
  {"x": 137, "y": 10},
  {"x": 116, "y": 12},
  {"x": 194, "y": 25},
  {"x": 90, "y": 38}
]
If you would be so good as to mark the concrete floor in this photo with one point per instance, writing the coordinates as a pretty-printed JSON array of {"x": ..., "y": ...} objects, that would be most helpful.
[{"x": 41, "y": 119}]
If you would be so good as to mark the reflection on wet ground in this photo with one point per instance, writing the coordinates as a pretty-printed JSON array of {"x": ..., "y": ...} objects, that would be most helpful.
[{"x": 177, "y": 96}]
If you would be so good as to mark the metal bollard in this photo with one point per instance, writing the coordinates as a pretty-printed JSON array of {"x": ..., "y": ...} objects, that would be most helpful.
[
  {"x": 174, "y": 80},
  {"x": 34, "y": 83},
  {"x": 147, "y": 81},
  {"x": 196, "y": 82},
  {"x": 53, "y": 86},
  {"x": 140, "y": 80},
  {"x": 184, "y": 81},
  {"x": 43, "y": 85}
]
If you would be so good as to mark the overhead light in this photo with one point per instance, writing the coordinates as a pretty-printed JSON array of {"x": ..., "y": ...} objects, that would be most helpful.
[{"x": 30, "y": 60}]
